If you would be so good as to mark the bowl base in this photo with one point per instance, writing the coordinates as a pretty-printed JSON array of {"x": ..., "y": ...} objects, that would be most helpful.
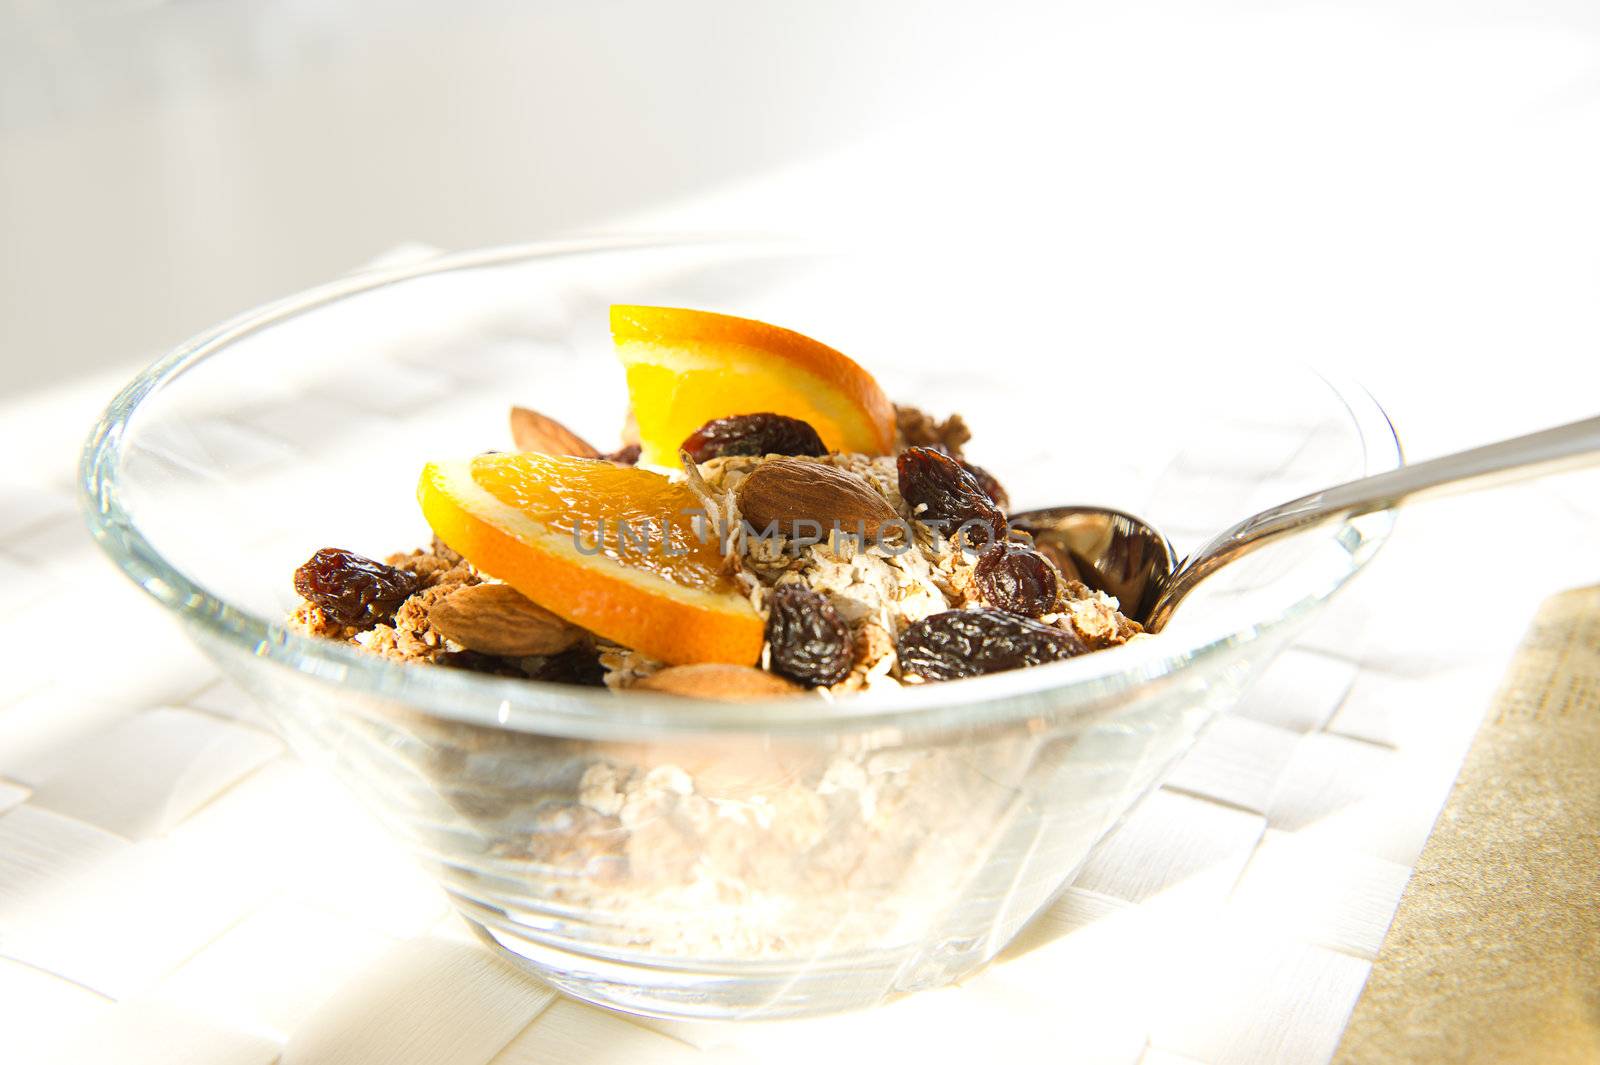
[{"x": 756, "y": 992}]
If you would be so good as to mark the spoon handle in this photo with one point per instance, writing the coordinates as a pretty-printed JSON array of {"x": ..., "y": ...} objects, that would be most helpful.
[{"x": 1566, "y": 446}]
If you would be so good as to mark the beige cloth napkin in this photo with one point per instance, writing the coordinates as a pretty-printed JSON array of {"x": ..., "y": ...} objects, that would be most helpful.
[{"x": 1494, "y": 955}]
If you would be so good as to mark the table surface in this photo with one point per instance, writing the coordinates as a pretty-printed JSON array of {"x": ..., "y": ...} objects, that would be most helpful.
[{"x": 176, "y": 886}]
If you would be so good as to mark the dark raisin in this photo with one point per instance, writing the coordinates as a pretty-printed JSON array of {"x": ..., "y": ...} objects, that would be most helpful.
[
  {"x": 987, "y": 482},
  {"x": 1058, "y": 555},
  {"x": 1017, "y": 578},
  {"x": 475, "y": 662},
  {"x": 950, "y": 494},
  {"x": 810, "y": 641},
  {"x": 625, "y": 456},
  {"x": 753, "y": 434},
  {"x": 966, "y": 643},
  {"x": 351, "y": 589},
  {"x": 579, "y": 664}
]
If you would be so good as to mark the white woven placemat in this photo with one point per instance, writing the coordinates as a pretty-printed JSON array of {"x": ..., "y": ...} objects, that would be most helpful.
[{"x": 175, "y": 887}]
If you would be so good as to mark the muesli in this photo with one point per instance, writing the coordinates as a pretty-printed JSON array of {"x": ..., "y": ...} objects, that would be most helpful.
[{"x": 774, "y": 556}]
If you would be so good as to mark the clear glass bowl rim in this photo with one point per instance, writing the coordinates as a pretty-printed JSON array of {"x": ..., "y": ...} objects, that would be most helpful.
[{"x": 542, "y": 708}]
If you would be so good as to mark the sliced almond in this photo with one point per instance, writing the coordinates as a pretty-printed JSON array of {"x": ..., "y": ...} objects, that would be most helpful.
[
  {"x": 532, "y": 431},
  {"x": 787, "y": 491},
  {"x": 715, "y": 680},
  {"x": 496, "y": 619}
]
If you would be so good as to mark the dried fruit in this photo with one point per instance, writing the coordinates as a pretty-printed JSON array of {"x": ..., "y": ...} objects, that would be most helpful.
[
  {"x": 579, "y": 664},
  {"x": 797, "y": 495},
  {"x": 627, "y": 455},
  {"x": 966, "y": 643},
  {"x": 1061, "y": 557},
  {"x": 352, "y": 589},
  {"x": 497, "y": 619},
  {"x": 753, "y": 434},
  {"x": 715, "y": 680},
  {"x": 474, "y": 662},
  {"x": 986, "y": 480},
  {"x": 1017, "y": 578},
  {"x": 810, "y": 642},
  {"x": 532, "y": 431},
  {"x": 947, "y": 493}
]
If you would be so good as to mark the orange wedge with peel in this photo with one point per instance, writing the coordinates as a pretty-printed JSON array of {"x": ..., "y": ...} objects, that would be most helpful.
[
  {"x": 614, "y": 549},
  {"x": 687, "y": 367}
]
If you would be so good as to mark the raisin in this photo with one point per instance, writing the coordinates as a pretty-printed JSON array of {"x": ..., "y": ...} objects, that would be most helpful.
[
  {"x": 1017, "y": 578},
  {"x": 624, "y": 456},
  {"x": 949, "y": 494},
  {"x": 475, "y": 662},
  {"x": 753, "y": 434},
  {"x": 353, "y": 590},
  {"x": 986, "y": 480},
  {"x": 1060, "y": 557},
  {"x": 579, "y": 664},
  {"x": 966, "y": 643},
  {"x": 810, "y": 641}
]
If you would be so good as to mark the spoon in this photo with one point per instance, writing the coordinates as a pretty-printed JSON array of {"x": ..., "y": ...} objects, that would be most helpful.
[{"x": 1123, "y": 556}]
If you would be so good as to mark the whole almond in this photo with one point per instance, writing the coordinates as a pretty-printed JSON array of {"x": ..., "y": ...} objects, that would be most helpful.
[
  {"x": 787, "y": 491},
  {"x": 496, "y": 619},
  {"x": 716, "y": 680},
  {"x": 532, "y": 431}
]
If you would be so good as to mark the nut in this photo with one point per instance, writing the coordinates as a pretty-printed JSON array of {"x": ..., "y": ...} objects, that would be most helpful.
[
  {"x": 716, "y": 680},
  {"x": 532, "y": 431},
  {"x": 790, "y": 491},
  {"x": 496, "y": 619}
]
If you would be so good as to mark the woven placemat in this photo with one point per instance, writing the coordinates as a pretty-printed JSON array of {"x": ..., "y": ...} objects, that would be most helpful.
[{"x": 175, "y": 887}]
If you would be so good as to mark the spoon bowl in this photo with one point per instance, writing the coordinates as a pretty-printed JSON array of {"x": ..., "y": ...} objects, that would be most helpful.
[{"x": 1109, "y": 550}]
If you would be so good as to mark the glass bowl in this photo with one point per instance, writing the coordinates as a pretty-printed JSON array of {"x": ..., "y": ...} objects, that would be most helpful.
[{"x": 697, "y": 859}]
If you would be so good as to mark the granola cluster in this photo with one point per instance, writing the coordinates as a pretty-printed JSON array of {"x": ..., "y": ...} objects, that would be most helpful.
[
  {"x": 917, "y": 429},
  {"x": 412, "y": 635},
  {"x": 415, "y": 632}
]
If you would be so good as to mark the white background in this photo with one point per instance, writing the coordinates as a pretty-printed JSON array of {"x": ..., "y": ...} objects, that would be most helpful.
[{"x": 1406, "y": 188}]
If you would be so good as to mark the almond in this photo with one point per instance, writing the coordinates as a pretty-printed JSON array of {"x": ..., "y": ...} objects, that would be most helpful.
[
  {"x": 717, "y": 680},
  {"x": 496, "y": 619},
  {"x": 787, "y": 491},
  {"x": 532, "y": 431}
]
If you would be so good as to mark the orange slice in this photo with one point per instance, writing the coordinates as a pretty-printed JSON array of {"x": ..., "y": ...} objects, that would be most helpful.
[
  {"x": 688, "y": 367},
  {"x": 552, "y": 527}
]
